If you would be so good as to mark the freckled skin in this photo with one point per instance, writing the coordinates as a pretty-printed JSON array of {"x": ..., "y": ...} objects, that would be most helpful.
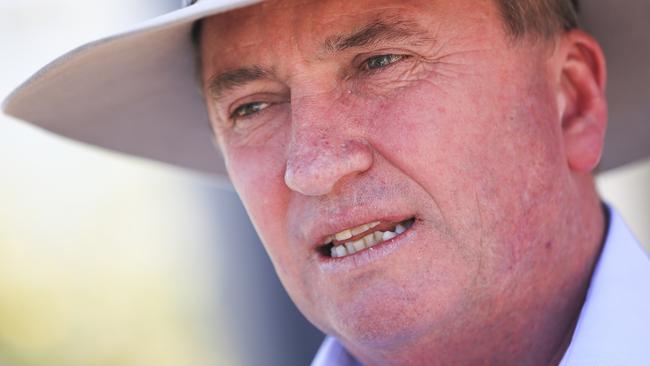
[{"x": 480, "y": 137}]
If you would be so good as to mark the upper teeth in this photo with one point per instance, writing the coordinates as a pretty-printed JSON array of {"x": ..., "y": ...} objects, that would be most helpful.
[
  {"x": 348, "y": 233},
  {"x": 367, "y": 241}
]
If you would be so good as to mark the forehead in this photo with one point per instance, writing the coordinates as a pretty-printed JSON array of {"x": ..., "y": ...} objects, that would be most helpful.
[
  {"x": 301, "y": 26},
  {"x": 310, "y": 18}
]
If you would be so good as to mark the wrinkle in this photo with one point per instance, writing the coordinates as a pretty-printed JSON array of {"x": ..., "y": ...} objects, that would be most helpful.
[{"x": 481, "y": 241}]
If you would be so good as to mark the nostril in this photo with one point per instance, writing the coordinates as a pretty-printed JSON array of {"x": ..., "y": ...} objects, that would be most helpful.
[
  {"x": 315, "y": 170},
  {"x": 311, "y": 177}
]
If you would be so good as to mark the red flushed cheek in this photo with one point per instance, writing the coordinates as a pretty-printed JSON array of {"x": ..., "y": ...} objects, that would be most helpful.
[
  {"x": 257, "y": 173},
  {"x": 412, "y": 126}
]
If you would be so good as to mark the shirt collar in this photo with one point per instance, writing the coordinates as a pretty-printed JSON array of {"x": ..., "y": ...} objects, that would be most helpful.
[
  {"x": 332, "y": 353},
  {"x": 614, "y": 324}
]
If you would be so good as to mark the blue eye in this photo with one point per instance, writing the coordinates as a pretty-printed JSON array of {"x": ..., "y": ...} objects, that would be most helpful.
[
  {"x": 381, "y": 61},
  {"x": 249, "y": 109}
]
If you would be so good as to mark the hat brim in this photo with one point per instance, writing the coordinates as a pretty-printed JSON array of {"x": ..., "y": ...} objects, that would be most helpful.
[{"x": 136, "y": 92}]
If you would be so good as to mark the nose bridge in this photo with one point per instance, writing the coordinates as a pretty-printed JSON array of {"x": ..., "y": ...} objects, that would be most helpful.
[{"x": 324, "y": 147}]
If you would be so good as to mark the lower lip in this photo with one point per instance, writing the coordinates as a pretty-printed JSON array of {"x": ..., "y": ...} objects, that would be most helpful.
[{"x": 368, "y": 255}]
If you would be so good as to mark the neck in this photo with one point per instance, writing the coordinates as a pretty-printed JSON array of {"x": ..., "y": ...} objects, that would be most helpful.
[{"x": 604, "y": 219}]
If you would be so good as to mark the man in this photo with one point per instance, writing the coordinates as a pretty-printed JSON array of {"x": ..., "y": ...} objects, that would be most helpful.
[{"x": 419, "y": 172}]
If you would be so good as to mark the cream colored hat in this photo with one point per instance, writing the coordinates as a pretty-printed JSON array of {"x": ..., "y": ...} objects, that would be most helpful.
[{"x": 136, "y": 91}]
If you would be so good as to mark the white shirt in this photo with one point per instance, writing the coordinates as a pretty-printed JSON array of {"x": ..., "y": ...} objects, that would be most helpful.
[{"x": 614, "y": 324}]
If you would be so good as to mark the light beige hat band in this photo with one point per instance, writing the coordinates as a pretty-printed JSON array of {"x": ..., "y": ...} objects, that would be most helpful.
[{"x": 136, "y": 92}]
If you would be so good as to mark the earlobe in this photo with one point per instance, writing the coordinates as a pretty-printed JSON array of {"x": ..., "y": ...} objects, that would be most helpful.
[{"x": 581, "y": 100}]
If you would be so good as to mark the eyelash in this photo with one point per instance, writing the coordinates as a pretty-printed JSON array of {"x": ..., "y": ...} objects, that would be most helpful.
[
  {"x": 239, "y": 112},
  {"x": 393, "y": 59}
]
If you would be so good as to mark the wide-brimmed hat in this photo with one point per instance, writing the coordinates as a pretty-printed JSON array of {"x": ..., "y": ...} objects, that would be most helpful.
[{"x": 136, "y": 91}]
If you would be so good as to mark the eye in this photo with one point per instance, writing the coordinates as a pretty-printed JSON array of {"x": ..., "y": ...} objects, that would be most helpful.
[
  {"x": 381, "y": 61},
  {"x": 249, "y": 109}
]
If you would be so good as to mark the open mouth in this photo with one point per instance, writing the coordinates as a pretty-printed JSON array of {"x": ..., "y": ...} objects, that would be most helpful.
[{"x": 354, "y": 240}]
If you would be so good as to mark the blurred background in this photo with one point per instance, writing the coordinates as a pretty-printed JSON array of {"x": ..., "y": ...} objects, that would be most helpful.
[
  {"x": 119, "y": 262},
  {"x": 112, "y": 261}
]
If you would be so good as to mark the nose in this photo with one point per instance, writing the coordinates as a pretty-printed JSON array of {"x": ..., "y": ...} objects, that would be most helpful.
[{"x": 323, "y": 151}]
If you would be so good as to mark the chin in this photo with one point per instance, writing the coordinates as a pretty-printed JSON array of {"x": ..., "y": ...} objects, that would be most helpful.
[{"x": 387, "y": 315}]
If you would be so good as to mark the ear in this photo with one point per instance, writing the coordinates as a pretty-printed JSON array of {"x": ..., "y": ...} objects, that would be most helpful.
[{"x": 581, "y": 99}]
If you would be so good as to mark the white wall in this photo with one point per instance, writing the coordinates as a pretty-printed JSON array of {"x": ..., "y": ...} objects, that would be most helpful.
[{"x": 628, "y": 190}]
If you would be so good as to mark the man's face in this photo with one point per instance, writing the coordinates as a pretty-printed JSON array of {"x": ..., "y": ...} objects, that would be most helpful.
[{"x": 335, "y": 114}]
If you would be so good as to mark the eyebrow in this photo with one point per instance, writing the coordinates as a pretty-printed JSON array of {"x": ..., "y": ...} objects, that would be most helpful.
[
  {"x": 371, "y": 34},
  {"x": 377, "y": 32},
  {"x": 231, "y": 79}
]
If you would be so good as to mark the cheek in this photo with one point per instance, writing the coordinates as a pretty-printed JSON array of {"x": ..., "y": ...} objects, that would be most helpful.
[
  {"x": 258, "y": 176},
  {"x": 486, "y": 148},
  {"x": 430, "y": 133}
]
